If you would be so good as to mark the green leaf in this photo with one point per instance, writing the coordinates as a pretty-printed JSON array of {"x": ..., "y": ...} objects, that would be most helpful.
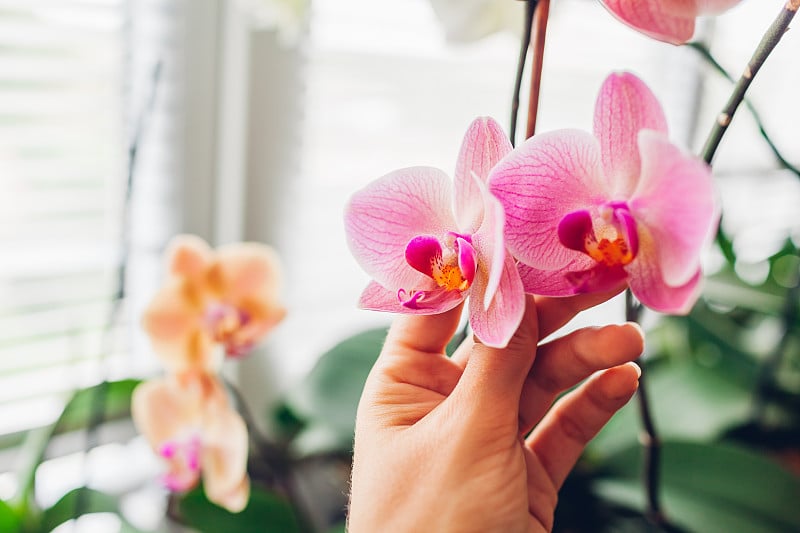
[
  {"x": 65, "y": 508},
  {"x": 688, "y": 401},
  {"x": 9, "y": 521},
  {"x": 265, "y": 513},
  {"x": 709, "y": 487},
  {"x": 116, "y": 398},
  {"x": 327, "y": 399}
]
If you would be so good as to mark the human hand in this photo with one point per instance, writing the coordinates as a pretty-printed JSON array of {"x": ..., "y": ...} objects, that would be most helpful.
[{"x": 440, "y": 442}]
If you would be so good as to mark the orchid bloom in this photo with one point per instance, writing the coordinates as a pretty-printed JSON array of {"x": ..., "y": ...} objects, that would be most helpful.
[
  {"x": 671, "y": 21},
  {"x": 424, "y": 258},
  {"x": 586, "y": 213},
  {"x": 226, "y": 298},
  {"x": 188, "y": 422}
]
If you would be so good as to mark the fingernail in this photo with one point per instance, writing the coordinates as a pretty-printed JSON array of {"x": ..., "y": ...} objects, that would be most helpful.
[{"x": 637, "y": 368}]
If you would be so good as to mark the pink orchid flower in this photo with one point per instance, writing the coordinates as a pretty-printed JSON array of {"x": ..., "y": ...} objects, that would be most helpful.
[
  {"x": 586, "y": 213},
  {"x": 226, "y": 298},
  {"x": 424, "y": 258},
  {"x": 188, "y": 422},
  {"x": 671, "y": 21}
]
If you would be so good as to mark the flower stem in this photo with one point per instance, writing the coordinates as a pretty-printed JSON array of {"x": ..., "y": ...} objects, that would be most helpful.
[
  {"x": 524, "y": 44},
  {"x": 539, "y": 34},
  {"x": 649, "y": 437},
  {"x": 768, "y": 43}
]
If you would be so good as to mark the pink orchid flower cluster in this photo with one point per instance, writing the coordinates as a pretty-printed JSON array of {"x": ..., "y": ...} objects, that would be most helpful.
[
  {"x": 566, "y": 212},
  {"x": 214, "y": 305},
  {"x": 672, "y": 21}
]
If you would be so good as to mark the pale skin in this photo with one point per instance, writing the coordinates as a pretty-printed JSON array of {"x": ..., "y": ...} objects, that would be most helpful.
[{"x": 440, "y": 443}]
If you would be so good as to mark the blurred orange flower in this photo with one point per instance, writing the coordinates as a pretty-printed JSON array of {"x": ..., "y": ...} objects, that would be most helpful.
[
  {"x": 225, "y": 298},
  {"x": 188, "y": 421}
]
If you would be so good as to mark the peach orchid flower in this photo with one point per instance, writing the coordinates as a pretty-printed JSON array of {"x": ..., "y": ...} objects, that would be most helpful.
[
  {"x": 587, "y": 213},
  {"x": 226, "y": 298},
  {"x": 671, "y": 21},
  {"x": 187, "y": 420}
]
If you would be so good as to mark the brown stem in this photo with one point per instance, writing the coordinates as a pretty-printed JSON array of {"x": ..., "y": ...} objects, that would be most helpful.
[
  {"x": 539, "y": 34},
  {"x": 649, "y": 437},
  {"x": 768, "y": 43}
]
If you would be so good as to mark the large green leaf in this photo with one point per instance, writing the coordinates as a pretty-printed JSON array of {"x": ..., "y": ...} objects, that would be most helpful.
[
  {"x": 9, "y": 521},
  {"x": 114, "y": 398},
  {"x": 265, "y": 513},
  {"x": 709, "y": 488},
  {"x": 688, "y": 401},
  {"x": 67, "y": 507},
  {"x": 326, "y": 400}
]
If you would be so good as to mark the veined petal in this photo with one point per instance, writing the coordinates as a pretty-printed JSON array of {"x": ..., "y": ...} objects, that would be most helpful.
[
  {"x": 436, "y": 300},
  {"x": 496, "y": 325},
  {"x": 552, "y": 282},
  {"x": 382, "y": 218},
  {"x": 651, "y": 18},
  {"x": 625, "y": 106},
  {"x": 491, "y": 241},
  {"x": 675, "y": 204},
  {"x": 648, "y": 286},
  {"x": 484, "y": 145},
  {"x": 714, "y": 7},
  {"x": 543, "y": 179}
]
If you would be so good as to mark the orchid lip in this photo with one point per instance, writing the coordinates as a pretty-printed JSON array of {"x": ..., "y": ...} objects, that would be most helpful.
[
  {"x": 452, "y": 267},
  {"x": 611, "y": 239}
]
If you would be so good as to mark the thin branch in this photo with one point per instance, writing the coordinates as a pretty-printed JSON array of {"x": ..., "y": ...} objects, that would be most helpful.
[
  {"x": 539, "y": 35},
  {"x": 649, "y": 436},
  {"x": 706, "y": 54},
  {"x": 524, "y": 43},
  {"x": 768, "y": 43}
]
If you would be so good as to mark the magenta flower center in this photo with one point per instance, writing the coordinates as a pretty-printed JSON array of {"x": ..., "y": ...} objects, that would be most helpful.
[
  {"x": 224, "y": 322},
  {"x": 609, "y": 237},
  {"x": 450, "y": 264},
  {"x": 184, "y": 458}
]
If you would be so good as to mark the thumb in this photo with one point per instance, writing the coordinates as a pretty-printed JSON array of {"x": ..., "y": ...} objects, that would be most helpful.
[{"x": 493, "y": 377}]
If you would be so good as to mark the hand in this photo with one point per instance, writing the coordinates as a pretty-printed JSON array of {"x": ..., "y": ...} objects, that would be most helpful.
[{"x": 440, "y": 443}]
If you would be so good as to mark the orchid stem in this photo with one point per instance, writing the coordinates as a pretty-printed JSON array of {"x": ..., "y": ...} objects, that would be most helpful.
[
  {"x": 649, "y": 436},
  {"x": 524, "y": 44},
  {"x": 539, "y": 34},
  {"x": 768, "y": 43}
]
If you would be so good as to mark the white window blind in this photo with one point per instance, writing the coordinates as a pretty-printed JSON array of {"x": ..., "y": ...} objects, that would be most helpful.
[{"x": 71, "y": 89}]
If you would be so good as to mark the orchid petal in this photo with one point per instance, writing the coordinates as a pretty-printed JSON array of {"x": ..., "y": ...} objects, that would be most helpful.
[
  {"x": 188, "y": 256},
  {"x": 625, "y": 105},
  {"x": 551, "y": 282},
  {"x": 542, "y": 180},
  {"x": 627, "y": 225},
  {"x": 496, "y": 325},
  {"x": 575, "y": 229},
  {"x": 675, "y": 204},
  {"x": 421, "y": 251},
  {"x": 491, "y": 241},
  {"x": 599, "y": 278},
  {"x": 467, "y": 259},
  {"x": 245, "y": 271},
  {"x": 159, "y": 411},
  {"x": 715, "y": 7},
  {"x": 377, "y": 298},
  {"x": 224, "y": 459},
  {"x": 484, "y": 145},
  {"x": 383, "y": 217},
  {"x": 173, "y": 322},
  {"x": 648, "y": 286},
  {"x": 654, "y": 19}
]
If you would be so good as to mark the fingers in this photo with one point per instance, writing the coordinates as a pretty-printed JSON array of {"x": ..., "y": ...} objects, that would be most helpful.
[
  {"x": 496, "y": 375},
  {"x": 566, "y": 361},
  {"x": 563, "y": 434},
  {"x": 422, "y": 333},
  {"x": 556, "y": 312}
]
